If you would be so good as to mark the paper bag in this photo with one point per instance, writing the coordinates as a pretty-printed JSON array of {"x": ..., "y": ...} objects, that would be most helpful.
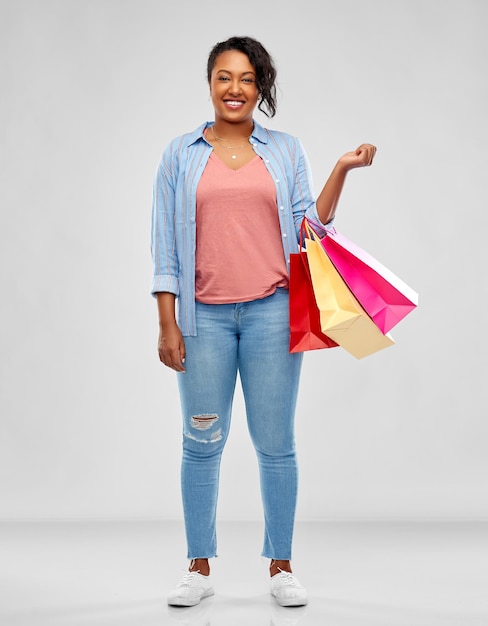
[
  {"x": 305, "y": 330},
  {"x": 382, "y": 294},
  {"x": 342, "y": 317}
]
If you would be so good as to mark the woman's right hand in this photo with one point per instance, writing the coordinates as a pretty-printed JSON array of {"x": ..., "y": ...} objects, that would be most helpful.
[{"x": 171, "y": 346}]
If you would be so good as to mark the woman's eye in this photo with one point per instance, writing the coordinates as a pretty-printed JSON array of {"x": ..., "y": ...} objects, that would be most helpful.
[
  {"x": 248, "y": 80},
  {"x": 223, "y": 78}
]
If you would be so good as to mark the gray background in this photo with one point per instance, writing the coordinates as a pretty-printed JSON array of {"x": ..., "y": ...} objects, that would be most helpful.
[{"x": 91, "y": 93}]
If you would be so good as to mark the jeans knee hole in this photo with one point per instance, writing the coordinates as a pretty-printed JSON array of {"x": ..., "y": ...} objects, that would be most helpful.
[
  {"x": 204, "y": 421},
  {"x": 214, "y": 437}
]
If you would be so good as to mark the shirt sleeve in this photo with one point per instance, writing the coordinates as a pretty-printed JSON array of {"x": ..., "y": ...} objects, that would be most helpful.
[{"x": 163, "y": 239}]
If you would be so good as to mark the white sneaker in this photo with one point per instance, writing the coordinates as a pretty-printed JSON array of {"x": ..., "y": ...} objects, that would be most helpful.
[
  {"x": 287, "y": 590},
  {"x": 190, "y": 590}
]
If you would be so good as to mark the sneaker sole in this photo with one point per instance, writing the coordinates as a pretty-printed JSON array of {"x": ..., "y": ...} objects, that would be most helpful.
[
  {"x": 291, "y": 601},
  {"x": 190, "y": 601}
]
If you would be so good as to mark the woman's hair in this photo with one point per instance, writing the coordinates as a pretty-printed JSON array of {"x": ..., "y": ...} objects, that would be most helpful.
[{"x": 261, "y": 61}]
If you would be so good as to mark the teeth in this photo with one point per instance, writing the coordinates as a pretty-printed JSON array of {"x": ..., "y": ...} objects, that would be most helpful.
[{"x": 233, "y": 103}]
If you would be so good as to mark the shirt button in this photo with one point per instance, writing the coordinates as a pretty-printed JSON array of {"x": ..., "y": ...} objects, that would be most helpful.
[
  {"x": 277, "y": 180},
  {"x": 284, "y": 234},
  {"x": 282, "y": 208}
]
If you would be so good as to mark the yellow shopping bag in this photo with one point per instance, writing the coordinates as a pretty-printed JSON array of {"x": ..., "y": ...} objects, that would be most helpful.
[{"x": 342, "y": 317}]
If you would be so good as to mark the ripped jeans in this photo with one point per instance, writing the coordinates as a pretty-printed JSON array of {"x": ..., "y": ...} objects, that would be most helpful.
[{"x": 251, "y": 338}]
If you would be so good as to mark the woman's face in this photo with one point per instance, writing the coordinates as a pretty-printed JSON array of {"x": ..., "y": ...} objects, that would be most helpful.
[{"x": 233, "y": 87}]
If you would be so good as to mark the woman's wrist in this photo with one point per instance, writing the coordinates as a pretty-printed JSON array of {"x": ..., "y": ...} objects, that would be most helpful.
[
  {"x": 166, "y": 323},
  {"x": 166, "y": 310},
  {"x": 341, "y": 167}
]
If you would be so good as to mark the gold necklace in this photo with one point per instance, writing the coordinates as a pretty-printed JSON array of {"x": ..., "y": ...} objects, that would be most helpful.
[{"x": 220, "y": 140}]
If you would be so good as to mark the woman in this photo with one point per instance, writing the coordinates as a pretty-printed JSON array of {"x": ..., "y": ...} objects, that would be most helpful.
[{"x": 228, "y": 202}]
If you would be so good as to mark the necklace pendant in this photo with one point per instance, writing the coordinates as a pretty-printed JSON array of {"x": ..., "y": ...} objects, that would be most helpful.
[{"x": 234, "y": 156}]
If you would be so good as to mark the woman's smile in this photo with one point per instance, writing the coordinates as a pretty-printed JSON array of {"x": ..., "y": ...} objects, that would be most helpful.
[{"x": 234, "y": 104}]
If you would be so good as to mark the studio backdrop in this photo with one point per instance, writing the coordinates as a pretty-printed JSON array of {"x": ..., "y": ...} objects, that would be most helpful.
[{"x": 91, "y": 94}]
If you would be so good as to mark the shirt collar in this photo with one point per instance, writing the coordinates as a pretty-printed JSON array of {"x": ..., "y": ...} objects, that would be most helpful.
[{"x": 259, "y": 133}]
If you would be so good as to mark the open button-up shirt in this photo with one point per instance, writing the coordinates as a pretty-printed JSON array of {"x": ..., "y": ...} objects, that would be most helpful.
[{"x": 173, "y": 232}]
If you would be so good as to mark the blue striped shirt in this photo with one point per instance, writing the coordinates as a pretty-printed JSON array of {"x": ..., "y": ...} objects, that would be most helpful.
[{"x": 173, "y": 229}]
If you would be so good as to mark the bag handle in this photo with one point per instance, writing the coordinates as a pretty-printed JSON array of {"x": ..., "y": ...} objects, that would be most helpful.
[
  {"x": 307, "y": 232},
  {"x": 321, "y": 227}
]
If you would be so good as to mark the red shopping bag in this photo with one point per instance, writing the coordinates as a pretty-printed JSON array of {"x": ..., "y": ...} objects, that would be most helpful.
[
  {"x": 305, "y": 331},
  {"x": 382, "y": 294}
]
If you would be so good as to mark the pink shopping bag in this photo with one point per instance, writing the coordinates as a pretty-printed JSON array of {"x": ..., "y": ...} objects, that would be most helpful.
[{"x": 382, "y": 294}]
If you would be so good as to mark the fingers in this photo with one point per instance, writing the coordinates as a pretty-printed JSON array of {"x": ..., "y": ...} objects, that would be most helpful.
[
  {"x": 366, "y": 152},
  {"x": 361, "y": 157},
  {"x": 173, "y": 358},
  {"x": 182, "y": 358}
]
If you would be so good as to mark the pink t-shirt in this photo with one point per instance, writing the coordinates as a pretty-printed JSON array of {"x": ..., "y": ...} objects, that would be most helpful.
[{"x": 239, "y": 254}]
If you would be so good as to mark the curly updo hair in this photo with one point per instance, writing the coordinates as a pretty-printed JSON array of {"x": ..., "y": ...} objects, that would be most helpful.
[{"x": 262, "y": 63}]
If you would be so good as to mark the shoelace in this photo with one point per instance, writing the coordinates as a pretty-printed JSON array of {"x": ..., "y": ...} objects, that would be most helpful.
[
  {"x": 287, "y": 579},
  {"x": 188, "y": 579}
]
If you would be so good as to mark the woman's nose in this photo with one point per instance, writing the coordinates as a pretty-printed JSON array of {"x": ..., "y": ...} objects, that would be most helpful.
[{"x": 235, "y": 87}]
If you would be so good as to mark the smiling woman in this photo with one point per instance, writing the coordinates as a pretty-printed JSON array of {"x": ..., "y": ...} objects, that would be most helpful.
[{"x": 229, "y": 199}]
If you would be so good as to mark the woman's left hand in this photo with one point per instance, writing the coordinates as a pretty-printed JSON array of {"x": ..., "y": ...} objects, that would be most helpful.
[{"x": 361, "y": 157}]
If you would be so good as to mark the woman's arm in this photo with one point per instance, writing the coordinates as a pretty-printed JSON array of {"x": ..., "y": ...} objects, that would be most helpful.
[
  {"x": 171, "y": 346},
  {"x": 330, "y": 194}
]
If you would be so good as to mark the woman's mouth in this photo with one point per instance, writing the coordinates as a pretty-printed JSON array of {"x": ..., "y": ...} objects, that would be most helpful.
[{"x": 234, "y": 104}]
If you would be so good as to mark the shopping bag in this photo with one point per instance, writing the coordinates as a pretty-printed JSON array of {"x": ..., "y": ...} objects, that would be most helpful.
[
  {"x": 382, "y": 294},
  {"x": 305, "y": 331},
  {"x": 342, "y": 317}
]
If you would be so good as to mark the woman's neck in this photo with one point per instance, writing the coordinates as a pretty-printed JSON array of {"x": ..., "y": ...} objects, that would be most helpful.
[{"x": 224, "y": 130}]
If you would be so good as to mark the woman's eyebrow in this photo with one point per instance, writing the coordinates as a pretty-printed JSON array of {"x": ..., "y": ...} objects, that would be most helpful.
[{"x": 229, "y": 72}]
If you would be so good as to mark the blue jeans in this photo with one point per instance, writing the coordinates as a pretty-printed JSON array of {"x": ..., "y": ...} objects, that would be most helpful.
[{"x": 251, "y": 338}]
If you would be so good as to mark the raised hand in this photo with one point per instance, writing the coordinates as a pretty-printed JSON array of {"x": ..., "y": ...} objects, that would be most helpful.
[{"x": 361, "y": 157}]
